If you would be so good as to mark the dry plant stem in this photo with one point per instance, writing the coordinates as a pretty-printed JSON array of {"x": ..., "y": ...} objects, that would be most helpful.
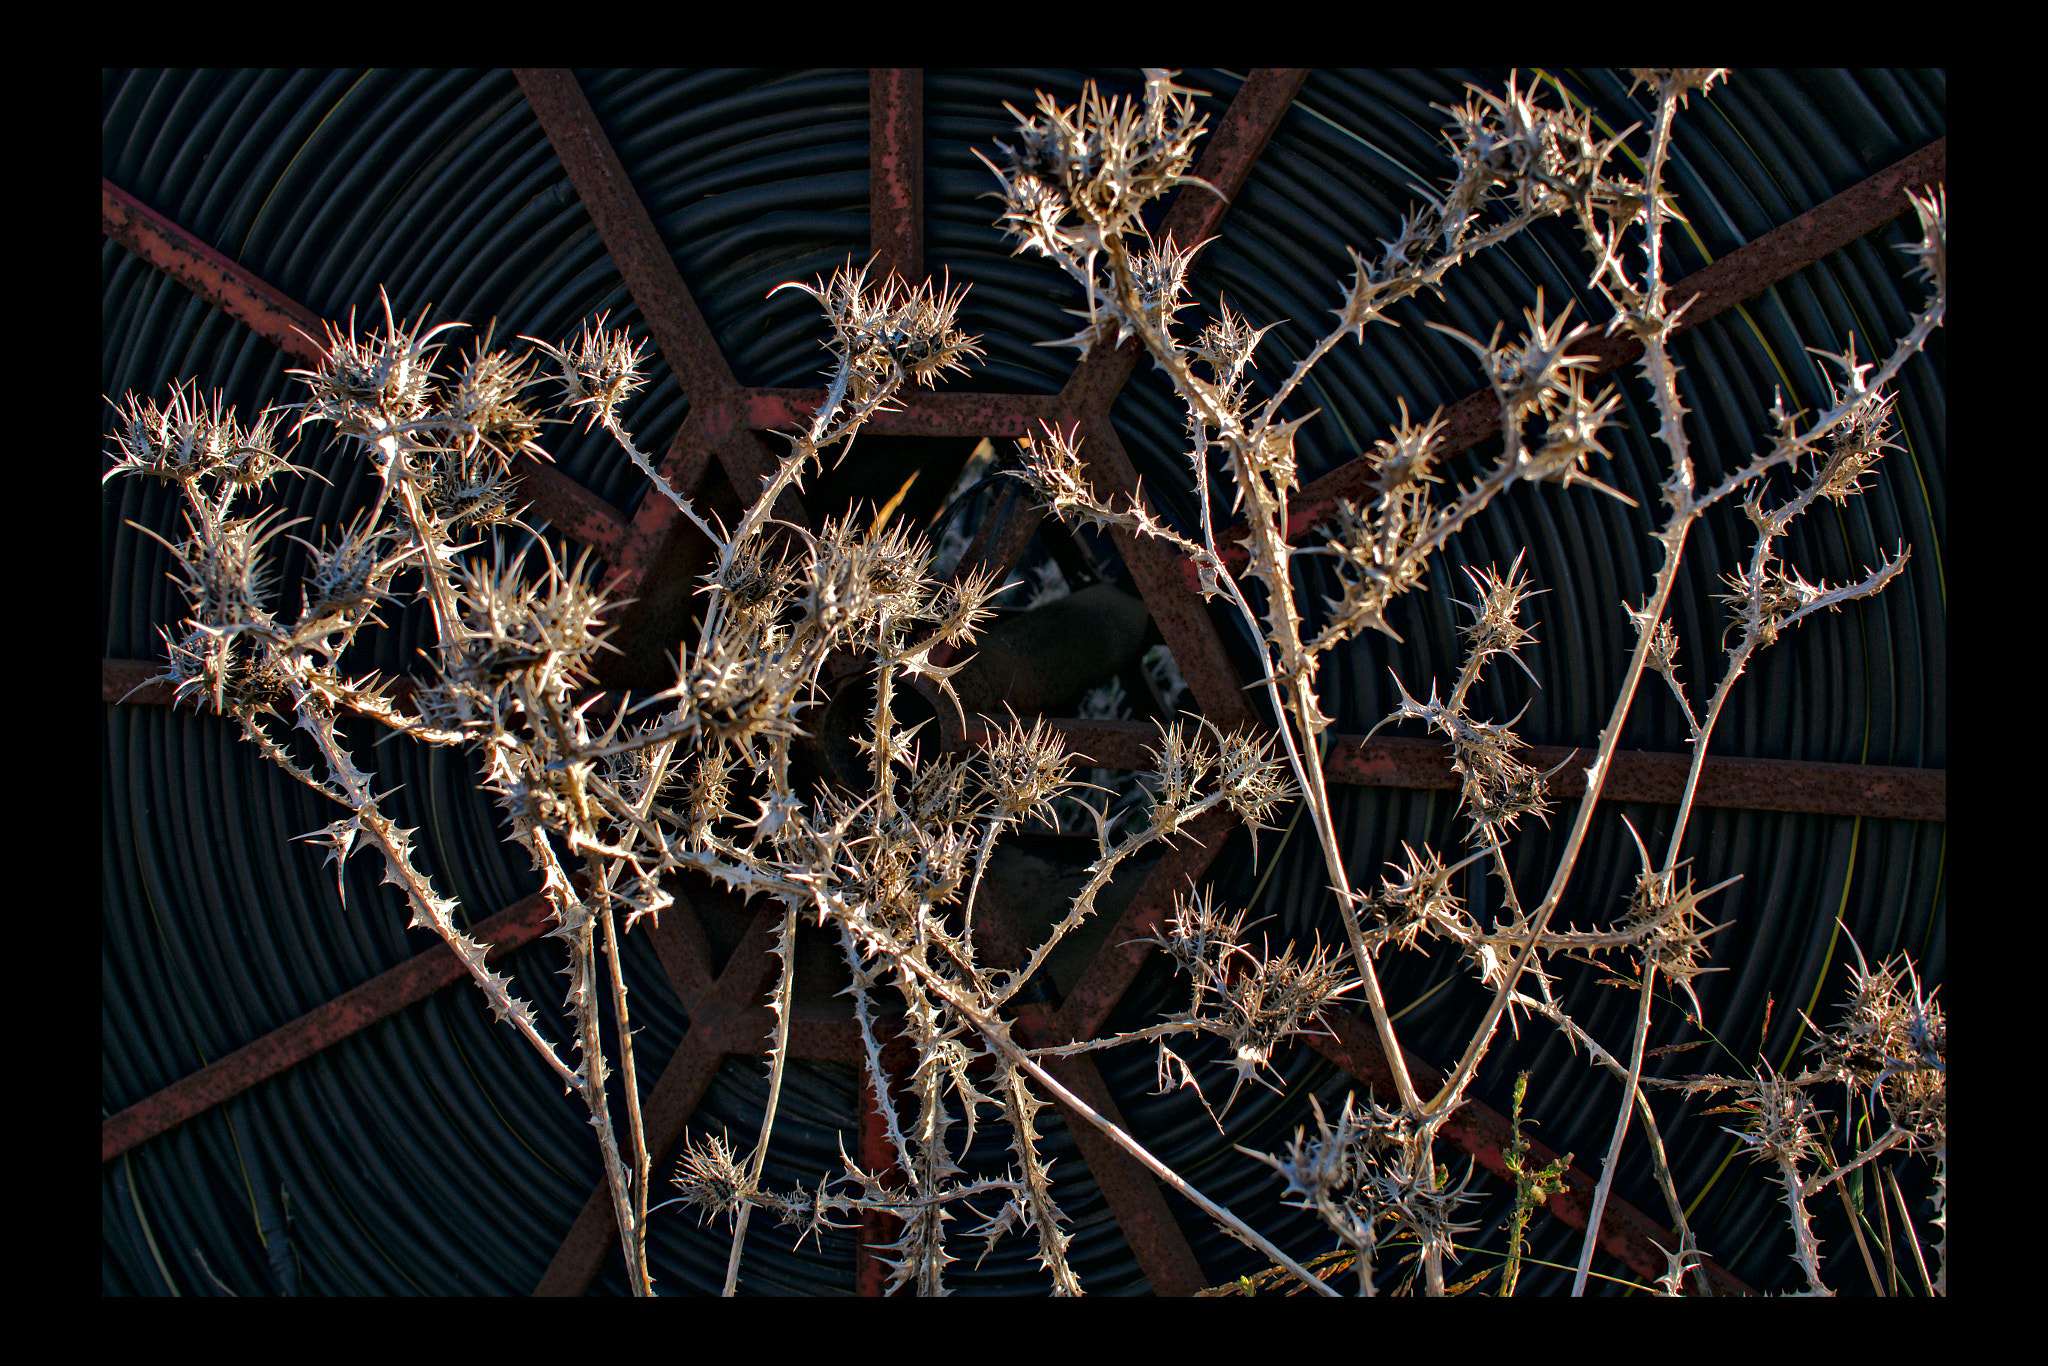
[
  {"x": 1791, "y": 447},
  {"x": 1652, "y": 330},
  {"x": 1862, "y": 1243},
  {"x": 785, "y": 949},
  {"x": 1452, "y": 1092},
  {"x": 1884, "y": 1219},
  {"x": 428, "y": 910},
  {"x": 1912, "y": 1235},
  {"x": 577, "y": 930},
  {"x": 1806, "y": 1248},
  {"x": 871, "y": 1048},
  {"x": 1631, "y": 1094},
  {"x": 1651, "y": 1134},
  {"x": 998, "y": 1039},
  {"x": 1301, "y": 722},
  {"x": 628, "y": 1078},
  {"x": 1877, "y": 1149}
]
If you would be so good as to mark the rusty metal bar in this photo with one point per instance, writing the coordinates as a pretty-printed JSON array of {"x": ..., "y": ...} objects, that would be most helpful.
[
  {"x": 1919, "y": 794},
  {"x": 262, "y": 308},
  {"x": 922, "y": 412},
  {"x": 1132, "y": 1192},
  {"x": 1234, "y": 147},
  {"x": 1182, "y": 616},
  {"x": 1916, "y": 794},
  {"x": 628, "y": 232},
  {"x": 688, "y": 460},
  {"x": 285, "y": 1047},
  {"x": 666, "y": 305},
  {"x": 896, "y": 170},
  {"x": 572, "y": 509},
  {"x": 1735, "y": 279}
]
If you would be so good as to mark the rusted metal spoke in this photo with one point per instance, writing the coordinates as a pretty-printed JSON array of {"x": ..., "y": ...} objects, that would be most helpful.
[
  {"x": 1181, "y": 615},
  {"x": 1825, "y": 789},
  {"x": 259, "y": 306},
  {"x": 914, "y": 412},
  {"x": 1133, "y": 1193},
  {"x": 628, "y": 232},
  {"x": 289, "y": 1045},
  {"x": 896, "y": 170},
  {"x": 667, "y": 307},
  {"x": 1637, "y": 776}
]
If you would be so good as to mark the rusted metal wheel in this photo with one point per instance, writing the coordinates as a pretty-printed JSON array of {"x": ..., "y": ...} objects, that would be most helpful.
[{"x": 298, "y": 1097}]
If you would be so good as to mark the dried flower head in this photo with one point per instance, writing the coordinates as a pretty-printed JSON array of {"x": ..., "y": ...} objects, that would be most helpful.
[
  {"x": 1778, "y": 1121},
  {"x": 1024, "y": 771},
  {"x": 1415, "y": 901},
  {"x": 711, "y": 1179},
  {"x": 1855, "y": 448},
  {"x": 1930, "y": 253},
  {"x": 600, "y": 370},
  {"x": 1278, "y": 999},
  {"x": 1529, "y": 376},
  {"x": 371, "y": 386},
  {"x": 1665, "y": 910},
  {"x": 353, "y": 571},
  {"x": 1496, "y": 627},
  {"x": 465, "y": 490},
  {"x": 188, "y": 439},
  {"x": 1892, "y": 1041},
  {"x": 1103, "y": 159},
  {"x": 484, "y": 403},
  {"x": 886, "y": 335}
]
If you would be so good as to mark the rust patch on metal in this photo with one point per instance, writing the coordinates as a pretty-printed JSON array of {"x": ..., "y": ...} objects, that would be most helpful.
[
  {"x": 262, "y": 308},
  {"x": 896, "y": 170},
  {"x": 630, "y": 239},
  {"x": 917, "y": 412},
  {"x": 572, "y": 509},
  {"x": 1919, "y": 794},
  {"x": 1182, "y": 617}
]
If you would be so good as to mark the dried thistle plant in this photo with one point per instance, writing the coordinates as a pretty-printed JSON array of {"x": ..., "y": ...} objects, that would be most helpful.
[
  {"x": 1514, "y": 162},
  {"x": 698, "y": 778}
]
